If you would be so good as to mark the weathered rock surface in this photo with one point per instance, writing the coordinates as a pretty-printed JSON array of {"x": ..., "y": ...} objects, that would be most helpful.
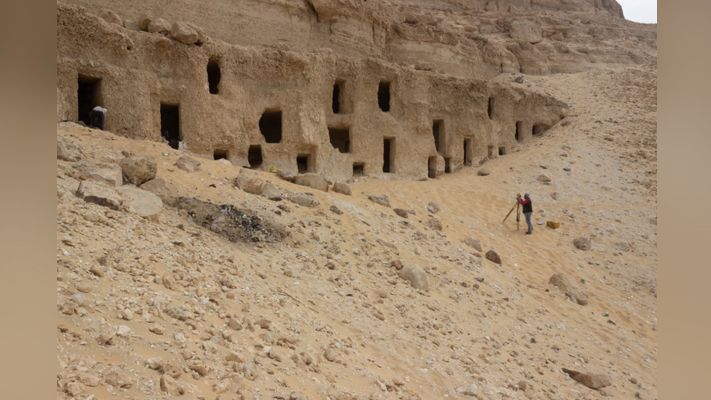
[
  {"x": 416, "y": 276},
  {"x": 380, "y": 199},
  {"x": 67, "y": 151},
  {"x": 184, "y": 33},
  {"x": 187, "y": 164},
  {"x": 593, "y": 381},
  {"x": 343, "y": 188},
  {"x": 567, "y": 285},
  {"x": 473, "y": 243},
  {"x": 493, "y": 256},
  {"x": 315, "y": 181},
  {"x": 138, "y": 170},
  {"x": 160, "y": 188},
  {"x": 97, "y": 193},
  {"x": 109, "y": 174},
  {"x": 303, "y": 199},
  {"x": 158, "y": 25},
  {"x": 139, "y": 201},
  {"x": 582, "y": 243}
]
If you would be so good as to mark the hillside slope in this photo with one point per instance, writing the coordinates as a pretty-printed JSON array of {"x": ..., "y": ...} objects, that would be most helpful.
[{"x": 159, "y": 307}]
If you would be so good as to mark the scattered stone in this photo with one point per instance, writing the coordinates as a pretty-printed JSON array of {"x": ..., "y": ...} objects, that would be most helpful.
[
  {"x": 89, "y": 380},
  {"x": 554, "y": 195},
  {"x": 553, "y": 224},
  {"x": 471, "y": 390},
  {"x": 140, "y": 202},
  {"x": 416, "y": 276},
  {"x": 432, "y": 208},
  {"x": 158, "y": 25},
  {"x": 434, "y": 223},
  {"x": 184, "y": 33},
  {"x": 593, "y": 381},
  {"x": 582, "y": 243},
  {"x": 303, "y": 199},
  {"x": 157, "y": 329},
  {"x": 93, "y": 192},
  {"x": 397, "y": 264},
  {"x": 118, "y": 379},
  {"x": 382, "y": 200},
  {"x": 473, "y": 243},
  {"x": 123, "y": 331},
  {"x": 492, "y": 256},
  {"x": 234, "y": 357},
  {"x": 271, "y": 192},
  {"x": 336, "y": 210},
  {"x": 138, "y": 170},
  {"x": 343, "y": 188},
  {"x": 544, "y": 179},
  {"x": 519, "y": 79},
  {"x": 171, "y": 386},
  {"x": 567, "y": 285},
  {"x": 315, "y": 181},
  {"x": 483, "y": 172},
  {"x": 400, "y": 212},
  {"x": 187, "y": 164}
]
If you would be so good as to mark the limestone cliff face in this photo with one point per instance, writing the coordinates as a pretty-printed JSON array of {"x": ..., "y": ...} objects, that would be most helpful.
[
  {"x": 329, "y": 86},
  {"x": 478, "y": 38}
]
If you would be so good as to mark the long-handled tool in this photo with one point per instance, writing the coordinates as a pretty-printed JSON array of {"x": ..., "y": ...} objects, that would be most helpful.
[
  {"x": 518, "y": 215},
  {"x": 507, "y": 215}
]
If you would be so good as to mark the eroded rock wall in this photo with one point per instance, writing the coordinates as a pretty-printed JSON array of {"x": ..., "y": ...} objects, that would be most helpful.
[{"x": 140, "y": 71}]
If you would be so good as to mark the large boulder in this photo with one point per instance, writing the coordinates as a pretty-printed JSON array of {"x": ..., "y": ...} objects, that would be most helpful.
[
  {"x": 340, "y": 187},
  {"x": 184, "y": 33},
  {"x": 187, "y": 164},
  {"x": 526, "y": 31},
  {"x": 140, "y": 202},
  {"x": 160, "y": 188},
  {"x": 567, "y": 285},
  {"x": 593, "y": 381},
  {"x": 416, "y": 276},
  {"x": 138, "y": 170},
  {"x": 158, "y": 25},
  {"x": 109, "y": 174},
  {"x": 97, "y": 193},
  {"x": 315, "y": 181},
  {"x": 249, "y": 182}
]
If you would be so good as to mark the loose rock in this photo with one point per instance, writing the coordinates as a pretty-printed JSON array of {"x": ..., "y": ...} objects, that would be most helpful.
[
  {"x": 582, "y": 243},
  {"x": 567, "y": 285},
  {"x": 97, "y": 193},
  {"x": 593, "y": 381},
  {"x": 492, "y": 256},
  {"x": 138, "y": 170},
  {"x": 416, "y": 276},
  {"x": 187, "y": 164}
]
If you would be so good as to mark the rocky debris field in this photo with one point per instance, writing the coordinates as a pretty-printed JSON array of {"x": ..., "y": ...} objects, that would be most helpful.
[{"x": 176, "y": 278}]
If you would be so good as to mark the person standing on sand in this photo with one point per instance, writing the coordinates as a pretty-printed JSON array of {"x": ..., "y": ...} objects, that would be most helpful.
[{"x": 527, "y": 210}]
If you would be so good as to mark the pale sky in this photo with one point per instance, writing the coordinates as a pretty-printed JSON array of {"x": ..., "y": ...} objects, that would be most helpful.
[{"x": 640, "y": 10}]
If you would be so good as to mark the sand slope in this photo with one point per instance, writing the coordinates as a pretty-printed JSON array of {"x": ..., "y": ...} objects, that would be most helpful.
[{"x": 323, "y": 314}]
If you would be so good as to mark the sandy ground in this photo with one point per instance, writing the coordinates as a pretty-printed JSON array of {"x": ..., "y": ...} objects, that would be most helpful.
[{"x": 323, "y": 314}]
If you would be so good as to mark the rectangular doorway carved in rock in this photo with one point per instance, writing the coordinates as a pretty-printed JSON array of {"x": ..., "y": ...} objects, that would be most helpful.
[{"x": 170, "y": 124}]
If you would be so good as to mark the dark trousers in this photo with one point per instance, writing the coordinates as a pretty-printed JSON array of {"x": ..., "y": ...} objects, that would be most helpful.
[{"x": 528, "y": 221}]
